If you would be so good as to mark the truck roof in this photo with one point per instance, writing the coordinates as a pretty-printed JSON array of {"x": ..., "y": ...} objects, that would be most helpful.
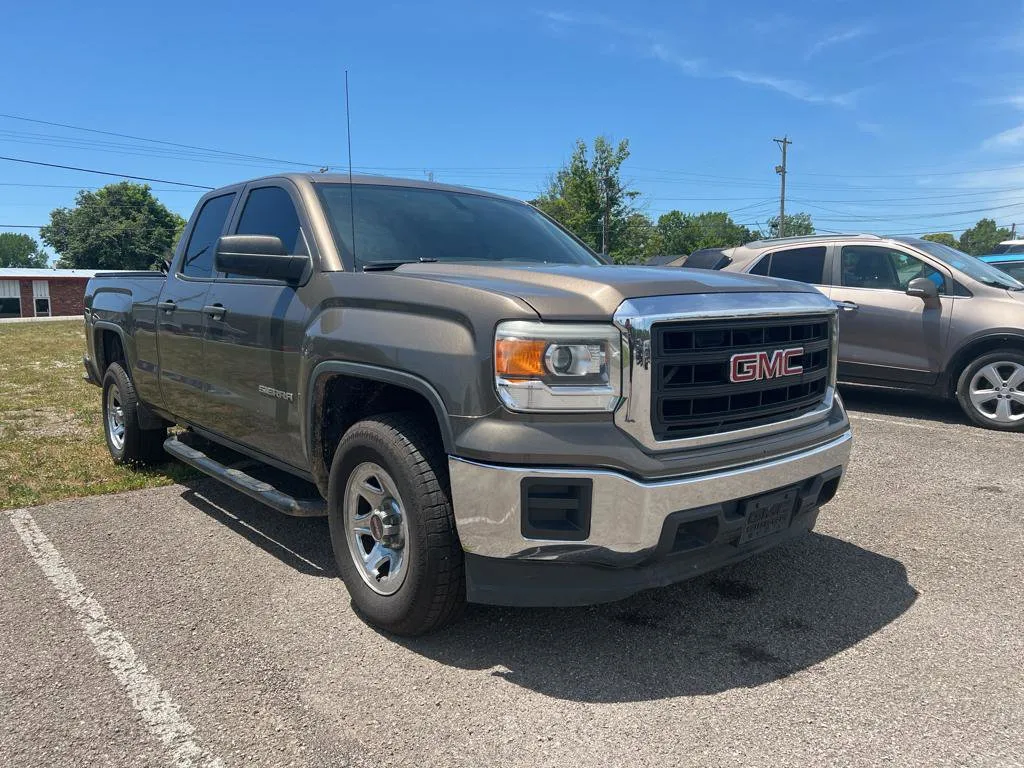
[{"x": 393, "y": 181}]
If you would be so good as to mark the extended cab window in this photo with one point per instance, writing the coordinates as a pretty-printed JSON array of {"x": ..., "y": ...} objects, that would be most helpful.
[
  {"x": 203, "y": 240},
  {"x": 270, "y": 211},
  {"x": 805, "y": 265},
  {"x": 872, "y": 266}
]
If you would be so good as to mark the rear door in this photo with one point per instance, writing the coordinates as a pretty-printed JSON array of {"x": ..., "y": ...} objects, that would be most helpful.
[
  {"x": 884, "y": 334},
  {"x": 254, "y": 330},
  {"x": 179, "y": 315}
]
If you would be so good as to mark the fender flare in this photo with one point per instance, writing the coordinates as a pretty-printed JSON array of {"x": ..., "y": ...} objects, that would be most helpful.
[{"x": 385, "y": 376}]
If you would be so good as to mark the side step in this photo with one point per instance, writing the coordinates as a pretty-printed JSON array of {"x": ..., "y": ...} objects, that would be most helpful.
[{"x": 250, "y": 486}]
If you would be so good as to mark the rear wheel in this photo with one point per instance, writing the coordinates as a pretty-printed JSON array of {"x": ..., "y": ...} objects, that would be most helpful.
[
  {"x": 392, "y": 527},
  {"x": 991, "y": 390},
  {"x": 127, "y": 443}
]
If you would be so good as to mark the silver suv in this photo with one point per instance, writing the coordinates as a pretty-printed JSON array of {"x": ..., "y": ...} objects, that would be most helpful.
[{"x": 913, "y": 315}]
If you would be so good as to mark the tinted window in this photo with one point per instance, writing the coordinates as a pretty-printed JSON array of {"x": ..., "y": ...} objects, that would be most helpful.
[
  {"x": 761, "y": 268},
  {"x": 866, "y": 266},
  {"x": 1009, "y": 248},
  {"x": 1013, "y": 269},
  {"x": 203, "y": 240},
  {"x": 707, "y": 258},
  {"x": 270, "y": 211},
  {"x": 394, "y": 223},
  {"x": 805, "y": 265}
]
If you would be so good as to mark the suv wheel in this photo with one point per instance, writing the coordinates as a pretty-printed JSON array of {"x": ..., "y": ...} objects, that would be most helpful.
[
  {"x": 991, "y": 390},
  {"x": 392, "y": 527},
  {"x": 126, "y": 441}
]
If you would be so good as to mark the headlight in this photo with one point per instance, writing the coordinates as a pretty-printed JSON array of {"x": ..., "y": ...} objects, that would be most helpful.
[{"x": 557, "y": 366}]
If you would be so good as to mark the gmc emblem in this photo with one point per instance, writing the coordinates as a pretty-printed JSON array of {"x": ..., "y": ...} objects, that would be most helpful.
[{"x": 754, "y": 366}]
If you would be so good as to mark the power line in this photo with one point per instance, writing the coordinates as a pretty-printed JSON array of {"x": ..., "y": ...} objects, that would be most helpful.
[
  {"x": 156, "y": 141},
  {"x": 103, "y": 173},
  {"x": 79, "y": 186}
]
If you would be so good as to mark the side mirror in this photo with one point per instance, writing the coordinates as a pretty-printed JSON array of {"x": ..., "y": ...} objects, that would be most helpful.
[
  {"x": 258, "y": 256},
  {"x": 923, "y": 288}
]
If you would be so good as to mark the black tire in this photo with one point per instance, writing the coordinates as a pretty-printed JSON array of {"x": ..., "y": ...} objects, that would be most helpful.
[
  {"x": 136, "y": 446},
  {"x": 432, "y": 592},
  {"x": 983, "y": 415}
]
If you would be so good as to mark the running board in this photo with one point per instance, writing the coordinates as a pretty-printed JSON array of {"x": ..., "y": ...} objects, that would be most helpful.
[{"x": 250, "y": 486}]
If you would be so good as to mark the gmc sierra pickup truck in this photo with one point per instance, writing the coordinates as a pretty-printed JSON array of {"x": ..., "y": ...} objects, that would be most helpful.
[{"x": 488, "y": 411}]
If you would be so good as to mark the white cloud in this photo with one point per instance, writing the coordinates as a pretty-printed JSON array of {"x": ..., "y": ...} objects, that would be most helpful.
[
  {"x": 792, "y": 88},
  {"x": 834, "y": 39},
  {"x": 665, "y": 54},
  {"x": 654, "y": 47},
  {"x": 1012, "y": 137},
  {"x": 1016, "y": 100}
]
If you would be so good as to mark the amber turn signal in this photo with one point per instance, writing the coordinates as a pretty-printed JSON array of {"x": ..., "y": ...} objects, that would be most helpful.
[{"x": 519, "y": 358}]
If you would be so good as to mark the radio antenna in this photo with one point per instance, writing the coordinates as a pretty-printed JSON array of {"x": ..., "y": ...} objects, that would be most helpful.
[{"x": 351, "y": 188}]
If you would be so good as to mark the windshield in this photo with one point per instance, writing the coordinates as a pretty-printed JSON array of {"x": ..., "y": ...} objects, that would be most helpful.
[
  {"x": 1008, "y": 248},
  {"x": 970, "y": 266},
  {"x": 399, "y": 224}
]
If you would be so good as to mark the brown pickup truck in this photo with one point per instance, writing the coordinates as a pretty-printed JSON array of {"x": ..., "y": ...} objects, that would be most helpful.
[{"x": 483, "y": 408}]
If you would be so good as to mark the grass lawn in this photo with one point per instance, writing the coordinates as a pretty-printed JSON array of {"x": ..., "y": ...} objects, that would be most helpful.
[{"x": 51, "y": 432}]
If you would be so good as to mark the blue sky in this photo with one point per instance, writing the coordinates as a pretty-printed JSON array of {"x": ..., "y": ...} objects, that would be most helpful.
[{"x": 906, "y": 117}]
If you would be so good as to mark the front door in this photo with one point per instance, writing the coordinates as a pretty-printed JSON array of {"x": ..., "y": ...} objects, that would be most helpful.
[
  {"x": 254, "y": 332},
  {"x": 884, "y": 334},
  {"x": 180, "y": 316}
]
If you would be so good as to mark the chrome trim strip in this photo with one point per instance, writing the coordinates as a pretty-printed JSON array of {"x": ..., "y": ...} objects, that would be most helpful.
[
  {"x": 635, "y": 317},
  {"x": 627, "y": 515}
]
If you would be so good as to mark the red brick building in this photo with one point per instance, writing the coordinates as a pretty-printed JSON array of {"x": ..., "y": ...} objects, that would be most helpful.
[{"x": 42, "y": 292}]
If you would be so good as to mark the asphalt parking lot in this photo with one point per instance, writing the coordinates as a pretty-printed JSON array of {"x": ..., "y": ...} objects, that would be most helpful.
[{"x": 188, "y": 626}]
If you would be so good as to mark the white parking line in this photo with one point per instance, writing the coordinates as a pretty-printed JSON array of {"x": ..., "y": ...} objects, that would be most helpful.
[
  {"x": 904, "y": 422},
  {"x": 154, "y": 705}
]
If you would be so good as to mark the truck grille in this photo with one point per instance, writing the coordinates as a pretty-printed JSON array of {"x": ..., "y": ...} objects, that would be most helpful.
[{"x": 692, "y": 389}]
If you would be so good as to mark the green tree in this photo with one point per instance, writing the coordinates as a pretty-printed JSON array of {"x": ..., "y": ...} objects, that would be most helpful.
[
  {"x": 983, "y": 237},
  {"x": 121, "y": 226},
  {"x": 681, "y": 233},
  {"x": 589, "y": 198},
  {"x": 637, "y": 239},
  {"x": 20, "y": 250},
  {"x": 943, "y": 238},
  {"x": 797, "y": 225}
]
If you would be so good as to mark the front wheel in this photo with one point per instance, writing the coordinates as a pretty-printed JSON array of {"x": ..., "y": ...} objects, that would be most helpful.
[
  {"x": 991, "y": 390},
  {"x": 392, "y": 527}
]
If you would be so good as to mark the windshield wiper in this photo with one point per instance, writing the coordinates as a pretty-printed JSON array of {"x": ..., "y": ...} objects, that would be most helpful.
[{"x": 387, "y": 266}]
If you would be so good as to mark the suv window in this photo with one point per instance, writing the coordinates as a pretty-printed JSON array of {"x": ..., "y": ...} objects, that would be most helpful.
[
  {"x": 805, "y": 265},
  {"x": 270, "y": 211},
  {"x": 209, "y": 224},
  {"x": 871, "y": 266}
]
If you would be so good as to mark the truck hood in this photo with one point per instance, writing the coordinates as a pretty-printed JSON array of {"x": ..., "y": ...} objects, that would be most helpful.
[{"x": 581, "y": 292}]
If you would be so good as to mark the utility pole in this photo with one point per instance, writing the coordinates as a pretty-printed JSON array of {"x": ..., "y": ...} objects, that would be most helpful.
[
  {"x": 781, "y": 170},
  {"x": 606, "y": 214},
  {"x": 1013, "y": 231}
]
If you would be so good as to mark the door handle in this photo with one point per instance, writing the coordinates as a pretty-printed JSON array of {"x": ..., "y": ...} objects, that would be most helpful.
[
  {"x": 849, "y": 306},
  {"x": 216, "y": 311},
  {"x": 167, "y": 306}
]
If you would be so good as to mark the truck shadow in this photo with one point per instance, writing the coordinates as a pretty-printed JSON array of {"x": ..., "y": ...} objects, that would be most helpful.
[
  {"x": 302, "y": 543},
  {"x": 884, "y": 402},
  {"x": 760, "y": 621}
]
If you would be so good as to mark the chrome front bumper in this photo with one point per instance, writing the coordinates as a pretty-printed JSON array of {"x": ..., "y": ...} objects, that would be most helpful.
[{"x": 627, "y": 515}]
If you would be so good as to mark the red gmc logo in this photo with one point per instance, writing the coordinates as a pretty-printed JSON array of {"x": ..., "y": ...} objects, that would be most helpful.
[{"x": 754, "y": 366}]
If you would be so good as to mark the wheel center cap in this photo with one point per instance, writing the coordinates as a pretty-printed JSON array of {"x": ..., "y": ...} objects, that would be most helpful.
[{"x": 377, "y": 525}]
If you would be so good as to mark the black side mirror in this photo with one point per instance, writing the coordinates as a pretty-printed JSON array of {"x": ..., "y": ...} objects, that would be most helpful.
[
  {"x": 261, "y": 256},
  {"x": 923, "y": 287}
]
